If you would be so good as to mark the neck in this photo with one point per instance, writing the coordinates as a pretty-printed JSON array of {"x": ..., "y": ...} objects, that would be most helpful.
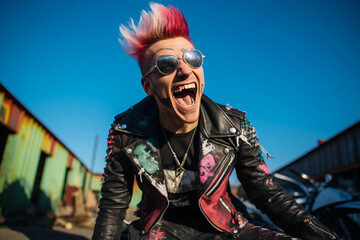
[{"x": 177, "y": 126}]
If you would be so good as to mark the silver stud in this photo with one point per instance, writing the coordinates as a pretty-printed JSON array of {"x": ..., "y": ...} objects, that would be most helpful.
[
  {"x": 129, "y": 150},
  {"x": 235, "y": 231},
  {"x": 228, "y": 107},
  {"x": 226, "y": 150},
  {"x": 232, "y": 130},
  {"x": 123, "y": 126}
]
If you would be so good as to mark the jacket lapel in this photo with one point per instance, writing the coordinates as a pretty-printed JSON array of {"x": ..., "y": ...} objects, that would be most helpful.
[
  {"x": 141, "y": 120},
  {"x": 216, "y": 154},
  {"x": 215, "y": 122},
  {"x": 145, "y": 155}
]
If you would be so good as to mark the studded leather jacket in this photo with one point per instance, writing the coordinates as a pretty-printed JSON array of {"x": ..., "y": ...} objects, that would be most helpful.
[{"x": 224, "y": 133}]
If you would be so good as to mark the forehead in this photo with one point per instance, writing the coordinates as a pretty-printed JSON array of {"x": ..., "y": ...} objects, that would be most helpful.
[{"x": 169, "y": 46}]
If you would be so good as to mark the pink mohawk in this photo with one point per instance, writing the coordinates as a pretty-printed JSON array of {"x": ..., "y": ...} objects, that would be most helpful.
[{"x": 158, "y": 24}]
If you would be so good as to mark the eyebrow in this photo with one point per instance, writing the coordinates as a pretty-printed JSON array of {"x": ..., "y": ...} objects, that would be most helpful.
[{"x": 163, "y": 49}]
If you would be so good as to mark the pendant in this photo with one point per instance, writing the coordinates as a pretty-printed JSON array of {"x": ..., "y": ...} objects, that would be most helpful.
[{"x": 179, "y": 170}]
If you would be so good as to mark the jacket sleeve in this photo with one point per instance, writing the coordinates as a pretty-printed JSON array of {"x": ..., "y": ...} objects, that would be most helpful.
[
  {"x": 116, "y": 191},
  {"x": 270, "y": 197}
]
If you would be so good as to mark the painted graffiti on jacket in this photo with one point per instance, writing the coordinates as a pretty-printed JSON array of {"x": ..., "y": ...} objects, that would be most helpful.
[
  {"x": 266, "y": 170},
  {"x": 207, "y": 162},
  {"x": 146, "y": 156}
]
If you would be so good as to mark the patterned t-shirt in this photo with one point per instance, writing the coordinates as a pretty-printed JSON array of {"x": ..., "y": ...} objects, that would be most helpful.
[{"x": 181, "y": 187}]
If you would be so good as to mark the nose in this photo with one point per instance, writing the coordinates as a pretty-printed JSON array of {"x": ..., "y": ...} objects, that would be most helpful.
[{"x": 183, "y": 70}]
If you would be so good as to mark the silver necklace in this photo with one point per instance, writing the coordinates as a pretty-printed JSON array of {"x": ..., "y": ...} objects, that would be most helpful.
[{"x": 180, "y": 168}]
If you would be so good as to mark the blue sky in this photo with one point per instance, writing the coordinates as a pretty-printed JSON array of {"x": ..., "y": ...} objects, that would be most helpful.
[{"x": 293, "y": 66}]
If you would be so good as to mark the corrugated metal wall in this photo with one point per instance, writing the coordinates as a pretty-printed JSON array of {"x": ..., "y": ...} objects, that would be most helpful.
[
  {"x": 336, "y": 155},
  {"x": 19, "y": 165},
  {"x": 51, "y": 187},
  {"x": 95, "y": 183},
  {"x": 34, "y": 164},
  {"x": 76, "y": 174}
]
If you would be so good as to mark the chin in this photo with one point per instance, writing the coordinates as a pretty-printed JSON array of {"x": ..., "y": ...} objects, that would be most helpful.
[{"x": 189, "y": 117}]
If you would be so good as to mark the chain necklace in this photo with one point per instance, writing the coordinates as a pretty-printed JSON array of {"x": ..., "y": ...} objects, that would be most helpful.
[{"x": 180, "y": 168}]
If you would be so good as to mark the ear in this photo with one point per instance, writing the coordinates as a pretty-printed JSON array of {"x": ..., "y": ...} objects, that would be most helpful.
[{"x": 146, "y": 84}]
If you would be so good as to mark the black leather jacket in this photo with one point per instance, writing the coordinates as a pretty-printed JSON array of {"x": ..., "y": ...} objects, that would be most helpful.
[{"x": 224, "y": 133}]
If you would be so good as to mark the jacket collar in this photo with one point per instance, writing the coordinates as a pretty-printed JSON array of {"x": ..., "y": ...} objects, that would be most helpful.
[{"x": 142, "y": 119}]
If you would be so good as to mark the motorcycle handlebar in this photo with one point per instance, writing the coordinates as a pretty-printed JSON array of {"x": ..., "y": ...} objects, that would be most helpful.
[{"x": 304, "y": 177}]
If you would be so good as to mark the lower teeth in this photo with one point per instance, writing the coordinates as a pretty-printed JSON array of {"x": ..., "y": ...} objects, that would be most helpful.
[{"x": 189, "y": 105}]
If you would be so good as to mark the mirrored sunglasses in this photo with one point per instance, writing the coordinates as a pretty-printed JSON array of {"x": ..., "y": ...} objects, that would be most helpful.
[{"x": 167, "y": 64}]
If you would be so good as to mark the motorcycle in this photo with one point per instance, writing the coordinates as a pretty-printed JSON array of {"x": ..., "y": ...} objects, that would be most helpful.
[{"x": 336, "y": 209}]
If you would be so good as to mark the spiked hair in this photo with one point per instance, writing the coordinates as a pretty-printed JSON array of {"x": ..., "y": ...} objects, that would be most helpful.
[{"x": 158, "y": 24}]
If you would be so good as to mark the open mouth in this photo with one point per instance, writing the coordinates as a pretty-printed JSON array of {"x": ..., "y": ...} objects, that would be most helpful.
[{"x": 185, "y": 95}]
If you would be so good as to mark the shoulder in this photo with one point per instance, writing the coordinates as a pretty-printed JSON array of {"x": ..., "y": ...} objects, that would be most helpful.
[
  {"x": 138, "y": 119},
  {"x": 224, "y": 109},
  {"x": 232, "y": 112},
  {"x": 136, "y": 111},
  {"x": 118, "y": 129},
  {"x": 236, "y": 116},
  {"x": 121, "y": 116},
  {"x": 138, "y": 108},
  {"x": 221, "y": 117}
]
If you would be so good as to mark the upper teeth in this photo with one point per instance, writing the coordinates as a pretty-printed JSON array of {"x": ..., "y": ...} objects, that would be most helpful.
[{"x": 182, "y": 87}]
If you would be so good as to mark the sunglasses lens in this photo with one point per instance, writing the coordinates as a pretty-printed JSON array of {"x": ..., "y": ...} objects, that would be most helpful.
[
  {"x": 194, "y": 58},
  {"x": 167, "y": 64}
]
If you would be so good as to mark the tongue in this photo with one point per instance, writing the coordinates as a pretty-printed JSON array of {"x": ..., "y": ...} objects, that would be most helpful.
[{"x": 184, "y": 99}]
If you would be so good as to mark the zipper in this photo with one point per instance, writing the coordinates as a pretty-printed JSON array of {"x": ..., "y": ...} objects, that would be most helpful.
[
  {"x": 317, "y": 228},
  {"x": 214, "y": 187},
  {"x": 216, "y": 227},
  {"x": 226, "y": 206},
  {"x": 228, "y": 165},
  {"x": 234, "y": 219}
]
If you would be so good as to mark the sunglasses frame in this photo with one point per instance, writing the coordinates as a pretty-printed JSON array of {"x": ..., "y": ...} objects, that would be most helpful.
[{"x": 178, "y": 59}]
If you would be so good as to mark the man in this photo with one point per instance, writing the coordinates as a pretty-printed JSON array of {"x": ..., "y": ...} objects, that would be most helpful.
[{"x": 182, "y": 148}]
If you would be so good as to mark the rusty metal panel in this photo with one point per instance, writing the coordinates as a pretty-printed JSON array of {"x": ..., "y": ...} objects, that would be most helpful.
[
  {"x": 15, "y": 118},
  {"x": 19, "y": 165},
  {"x": 76, "y": 174},
  {"x": 5, "y": 110},
  {"x": 52, "y": 180},
  {"x": 96, "y": 182},
  {"x": 2, "y": 96},
  {"x": 87, "y": 183},
  {"x": 93, "y": 182},
  {"x": 69, "y": 195},
  {"x": 69, "y": 160},
  {"x": 48, "y": 144},
  {"x": 11, "y": 115}
]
